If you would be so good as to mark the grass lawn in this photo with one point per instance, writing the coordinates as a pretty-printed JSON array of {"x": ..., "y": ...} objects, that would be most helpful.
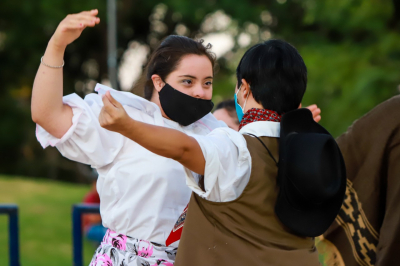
[{"x": 44, "y": 220}]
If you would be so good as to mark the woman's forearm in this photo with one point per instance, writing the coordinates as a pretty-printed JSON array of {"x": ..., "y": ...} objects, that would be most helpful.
[
  {"x": 47, "y": 107},
  {"x": 166, "y": 142},
  {"x": 162, "y": 141}
]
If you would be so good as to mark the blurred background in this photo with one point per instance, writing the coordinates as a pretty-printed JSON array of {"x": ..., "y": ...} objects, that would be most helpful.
[{"x": 351, "y": 49}]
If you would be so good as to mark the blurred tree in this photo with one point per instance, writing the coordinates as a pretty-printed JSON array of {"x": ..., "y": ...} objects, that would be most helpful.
[
  {"x": 352, "y": 52},
  {"x": 351, "y": 48}
]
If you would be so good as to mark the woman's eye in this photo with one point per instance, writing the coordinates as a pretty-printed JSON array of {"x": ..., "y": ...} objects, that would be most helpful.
[
  {"x": 187, "y": 81},
  {"x": 208, "y": 83}
]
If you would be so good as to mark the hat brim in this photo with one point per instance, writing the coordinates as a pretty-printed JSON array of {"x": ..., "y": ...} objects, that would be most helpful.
[
  {"x": 309, "y": 222},
  {"x": 317, "y": 219}
]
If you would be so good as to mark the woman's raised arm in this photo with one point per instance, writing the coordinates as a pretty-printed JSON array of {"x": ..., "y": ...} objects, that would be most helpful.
[{"x": 47, "y": 106}]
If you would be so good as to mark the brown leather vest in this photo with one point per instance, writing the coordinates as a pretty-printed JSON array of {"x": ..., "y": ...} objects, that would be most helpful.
[{"x": 244, "y": 231}]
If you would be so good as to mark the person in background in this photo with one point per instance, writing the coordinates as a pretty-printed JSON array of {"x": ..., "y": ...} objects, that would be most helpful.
[
  {"x": 225, "y": 111},
  {"x": 367, "y": 230}
]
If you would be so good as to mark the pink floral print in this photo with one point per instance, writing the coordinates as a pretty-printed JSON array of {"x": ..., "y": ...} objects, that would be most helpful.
[
  {"x": 101, "y": 260},
  {"x": 145, "y": 249},
  {"x": 116, "y": 240},
  {"x": 163, "y": 262},
  {"x": 118, "y": 249}
]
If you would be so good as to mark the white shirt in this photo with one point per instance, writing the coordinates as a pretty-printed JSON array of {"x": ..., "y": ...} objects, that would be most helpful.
[
  {"x": 141, "y": 194},
  {"x": 228, "y": 161}
]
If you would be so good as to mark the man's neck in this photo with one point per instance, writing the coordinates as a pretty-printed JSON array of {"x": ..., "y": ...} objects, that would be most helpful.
[{"x": 251, "y": 103}]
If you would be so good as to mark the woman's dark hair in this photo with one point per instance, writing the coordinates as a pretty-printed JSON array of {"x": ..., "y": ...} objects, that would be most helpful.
[
  {"x": 276, "y": 73},
  {"x": 168, "y": 55}
]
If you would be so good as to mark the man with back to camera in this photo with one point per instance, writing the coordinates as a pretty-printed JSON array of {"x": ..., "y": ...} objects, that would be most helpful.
[{"x": 258, "y": 200}]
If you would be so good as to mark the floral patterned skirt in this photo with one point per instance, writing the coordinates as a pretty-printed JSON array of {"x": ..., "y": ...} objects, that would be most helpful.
[{"x": 121, "y": 250}]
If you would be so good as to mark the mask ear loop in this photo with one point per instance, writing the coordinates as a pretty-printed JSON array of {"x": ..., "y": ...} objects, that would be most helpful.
[
  {"x": 245, "y": 100},
  {"x": 238, "y": 89}
]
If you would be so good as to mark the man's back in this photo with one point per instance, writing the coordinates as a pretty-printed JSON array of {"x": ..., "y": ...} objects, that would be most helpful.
[{"x": 245, "y": 231}]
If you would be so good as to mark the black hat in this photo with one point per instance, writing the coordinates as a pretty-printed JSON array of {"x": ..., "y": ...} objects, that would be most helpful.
[{"x": 311, "y": 175}]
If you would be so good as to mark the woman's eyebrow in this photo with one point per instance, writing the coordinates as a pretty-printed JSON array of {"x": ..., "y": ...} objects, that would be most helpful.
[
  {"x": 193, "y": 77},
  {"x": 188, "y": 76}
]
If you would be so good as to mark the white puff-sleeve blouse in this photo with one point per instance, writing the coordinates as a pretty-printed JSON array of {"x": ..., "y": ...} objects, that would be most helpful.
[{"x": 141, "y": 194}]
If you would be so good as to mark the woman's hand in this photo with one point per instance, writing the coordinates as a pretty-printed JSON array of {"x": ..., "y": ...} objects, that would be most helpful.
[
  {"x": 113, "y": 115},
  {"x": 316, "y": 112},
  {"x": 71, "y": 27}
]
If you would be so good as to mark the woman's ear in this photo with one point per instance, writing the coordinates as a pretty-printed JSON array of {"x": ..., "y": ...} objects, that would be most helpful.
[{"x": 157, "y": 82}]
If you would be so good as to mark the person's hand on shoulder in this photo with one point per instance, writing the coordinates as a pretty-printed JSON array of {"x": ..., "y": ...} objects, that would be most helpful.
[{"x": 316, "y": 112}]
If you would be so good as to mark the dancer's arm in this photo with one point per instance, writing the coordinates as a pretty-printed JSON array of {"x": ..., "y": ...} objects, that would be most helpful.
[
  {"x": 47, "y": 106},
  {"x": 163, "y": 141}
]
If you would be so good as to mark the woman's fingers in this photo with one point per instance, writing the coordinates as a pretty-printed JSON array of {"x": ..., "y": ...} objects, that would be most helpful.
[
  {"x": 112, "y": 100},
  {"x": 80, "y": 24},
  {"x": 85, "y": 21},
  {"x": 90, "y": 12},
  {"x": 108, "y": 106},
  {"x": 312, "y": 107},
  {"x": 88, "y": 20},
  {"x": 316, "y": 112}
]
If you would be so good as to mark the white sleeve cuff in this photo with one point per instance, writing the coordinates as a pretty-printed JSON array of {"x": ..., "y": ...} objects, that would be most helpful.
[
  {"x": 85, "y": 141},
  {"x": 228, "y": 166},
  {"x": 210, "y": 173},
  {"x": 46, "y": 139}
]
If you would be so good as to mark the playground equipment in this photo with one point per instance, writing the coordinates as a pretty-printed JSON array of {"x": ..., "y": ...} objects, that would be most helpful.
[
  {"x": 13, "y": 234},
  {"x": 77, "y": 211}
]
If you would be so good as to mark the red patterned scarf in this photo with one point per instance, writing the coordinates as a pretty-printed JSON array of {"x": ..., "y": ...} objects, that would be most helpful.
[{"x": 256, "y": 114}]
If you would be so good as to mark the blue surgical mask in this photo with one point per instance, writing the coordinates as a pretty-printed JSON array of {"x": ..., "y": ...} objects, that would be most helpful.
[{"x": 239, "y": 109}]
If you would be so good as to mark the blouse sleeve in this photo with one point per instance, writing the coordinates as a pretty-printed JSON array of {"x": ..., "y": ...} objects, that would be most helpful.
[
  {"x": 85, "y": 141},
  {"x": 228, "y": 166}
]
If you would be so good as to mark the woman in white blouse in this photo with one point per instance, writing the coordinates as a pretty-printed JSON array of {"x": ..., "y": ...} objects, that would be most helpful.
[{"x": 142, "y": 194}]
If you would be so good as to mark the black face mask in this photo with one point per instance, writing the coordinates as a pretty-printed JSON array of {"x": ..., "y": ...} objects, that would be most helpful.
[{"x": 183, "y": 108}]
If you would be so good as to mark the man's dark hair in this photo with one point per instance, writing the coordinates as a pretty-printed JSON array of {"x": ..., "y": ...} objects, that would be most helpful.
[
  {"x": 276, "y": 73},
  {"x": 229, "y": 106}
]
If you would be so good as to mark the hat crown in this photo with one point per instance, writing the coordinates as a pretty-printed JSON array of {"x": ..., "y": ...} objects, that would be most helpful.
[{"x": 315, "y": 175}]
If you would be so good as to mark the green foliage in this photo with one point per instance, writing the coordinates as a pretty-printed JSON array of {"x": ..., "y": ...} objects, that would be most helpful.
[
  {"x": 353, "y": 57},
  {"x": 351, "y": 48}
]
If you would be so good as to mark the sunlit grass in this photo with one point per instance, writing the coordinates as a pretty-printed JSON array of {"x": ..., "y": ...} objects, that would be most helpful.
[{"x": 44, "y": 220}]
